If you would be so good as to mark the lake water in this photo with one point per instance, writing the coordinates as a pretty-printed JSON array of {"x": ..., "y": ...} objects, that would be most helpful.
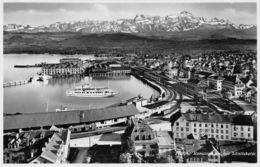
[{"x": 42, "y": 97}]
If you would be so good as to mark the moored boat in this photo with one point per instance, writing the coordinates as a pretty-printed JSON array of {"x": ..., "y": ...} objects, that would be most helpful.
[{"x": 89, "y": 91}]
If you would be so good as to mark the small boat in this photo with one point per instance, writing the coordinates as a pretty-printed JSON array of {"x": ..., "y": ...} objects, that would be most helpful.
[
  {"x": 40, "y": 79},
  {"x": 89, "y": 91}
]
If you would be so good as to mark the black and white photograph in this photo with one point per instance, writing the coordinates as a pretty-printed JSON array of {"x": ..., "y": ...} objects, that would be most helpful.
[{"x": 112, "y": 82}]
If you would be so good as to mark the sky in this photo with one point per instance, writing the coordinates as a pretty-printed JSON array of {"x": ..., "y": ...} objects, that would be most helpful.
[{"x": 36, "y": 14}]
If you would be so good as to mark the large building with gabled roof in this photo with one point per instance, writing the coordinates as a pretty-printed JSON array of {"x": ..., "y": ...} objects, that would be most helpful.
[
  {"x": 218, "y": 126},
  {"x": 99, "y": 117}
]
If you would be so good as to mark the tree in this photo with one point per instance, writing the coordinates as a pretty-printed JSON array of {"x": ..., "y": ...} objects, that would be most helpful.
[
  {"x": 237, "y": 69},
  {"x": 130, "y": 145},
  {"x": 165, "y": 159},
  {"x": 125, "y": 157}
]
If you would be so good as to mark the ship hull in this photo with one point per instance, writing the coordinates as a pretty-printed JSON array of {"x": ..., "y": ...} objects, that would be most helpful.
[{"x": 92, "y": 95}]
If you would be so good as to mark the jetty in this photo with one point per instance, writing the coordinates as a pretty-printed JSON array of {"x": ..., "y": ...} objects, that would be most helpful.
[
  {"x": 15, "y": 83},
  {"x": 30, "y": 66},
  {"x": 27, "y": 66}
]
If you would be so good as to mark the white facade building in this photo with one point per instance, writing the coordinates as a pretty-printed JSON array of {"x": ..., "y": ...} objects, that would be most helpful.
[
  {"x": 220, "y": 127},
  {"x": 62, "y": 71}
]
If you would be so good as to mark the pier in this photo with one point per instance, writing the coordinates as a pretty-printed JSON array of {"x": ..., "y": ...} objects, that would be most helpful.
[
  {"x": 29, "y": 66},
  {"x": 15, "y": 83}
]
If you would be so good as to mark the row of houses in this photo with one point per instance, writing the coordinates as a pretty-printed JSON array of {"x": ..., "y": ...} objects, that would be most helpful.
[
  {"x": 233, "y": 85},
  {"x": 37, "y": 146}
]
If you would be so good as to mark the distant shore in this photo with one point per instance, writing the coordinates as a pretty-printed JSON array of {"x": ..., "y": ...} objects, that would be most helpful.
[{"x": 114, "y": 44}]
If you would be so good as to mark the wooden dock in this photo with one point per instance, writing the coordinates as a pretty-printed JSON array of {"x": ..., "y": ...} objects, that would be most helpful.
[{"x": 15, "y": 83}]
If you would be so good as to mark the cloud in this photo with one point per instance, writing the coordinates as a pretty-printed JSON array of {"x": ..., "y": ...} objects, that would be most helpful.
[{"x": 237, "y": 16}]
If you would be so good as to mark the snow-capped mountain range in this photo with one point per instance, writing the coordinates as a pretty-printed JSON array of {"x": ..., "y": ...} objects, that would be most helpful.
[{"x": 183, "y": 21}]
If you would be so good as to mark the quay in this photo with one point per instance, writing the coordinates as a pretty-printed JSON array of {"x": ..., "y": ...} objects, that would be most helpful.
[
  {"x": 30, "y": 66},
  {"x": 27, "y": 66},
  {"x": 15, "y": 83}
]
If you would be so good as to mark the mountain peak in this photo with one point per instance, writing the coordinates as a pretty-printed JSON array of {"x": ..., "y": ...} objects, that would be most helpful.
[
  {"x": 183, "y": 21},
  {"x": 185, "y": 12},
  {"x": 142, "y": 16}
]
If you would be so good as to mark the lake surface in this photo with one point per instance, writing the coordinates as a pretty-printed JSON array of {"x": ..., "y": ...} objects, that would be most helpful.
[{"x": 42, "y": 97}]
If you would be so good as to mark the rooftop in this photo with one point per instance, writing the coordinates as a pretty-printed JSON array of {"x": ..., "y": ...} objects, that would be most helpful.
[
  {"x": 51, "y": 149},
  {"x": 112, "y": 62},
  {"x": 120, "y": 68},
  {"x": 207, "y": 148},
  {"x": 243, "y": 120},
  {"x": 213, "y": 118},
  {"x": 69, "y": 117},
  {"x": 230, "y": 78},
  {"x": 194, "y": 81},
  {"x": 155, "y": 105},
  {"x": 204, "y": 74},
  {"x": 164, "y": 139},
  {"x": 174, "y": 117},
  {"x": 219, "y": 118}
]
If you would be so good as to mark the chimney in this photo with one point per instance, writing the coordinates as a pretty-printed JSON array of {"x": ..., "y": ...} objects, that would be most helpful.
[
  {"x": 32, "y": 154},
  {"x": 17, "y": 135}
]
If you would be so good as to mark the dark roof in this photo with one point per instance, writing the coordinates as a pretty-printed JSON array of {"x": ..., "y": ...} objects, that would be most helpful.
[
  {"x": 214, "y": 118},
  {"x": 155, "y": 105},
  {"x": 219, "y": 118},
  {"x": 230, "y": 78},
  {"x": 63, "y": 135},
  {"x": 217, "y": 77},
  {"x": 190, "y": 136},
  {"x": 100, "y": 71},
  {"x": 245, "y": 80},
  {"x": 243, "y": 120},
  {"x": 206, "y": 74},
  {"x": 112, "y": 62},
  {"x": 68, "y": 117},
  {"x": 206, "y": 149},
  {"x": 41, "y": 143},
  {"x": 174, "y": 117},
  {"x": 195, "y": 81},
  {"x": 7, "y": 139},
  {"x": 120, "y": 68},
  {"x": 253, "y": 84}
]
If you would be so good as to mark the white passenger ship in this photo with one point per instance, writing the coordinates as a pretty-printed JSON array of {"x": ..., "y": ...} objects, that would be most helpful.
[{"x": 89, "y": 91}]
